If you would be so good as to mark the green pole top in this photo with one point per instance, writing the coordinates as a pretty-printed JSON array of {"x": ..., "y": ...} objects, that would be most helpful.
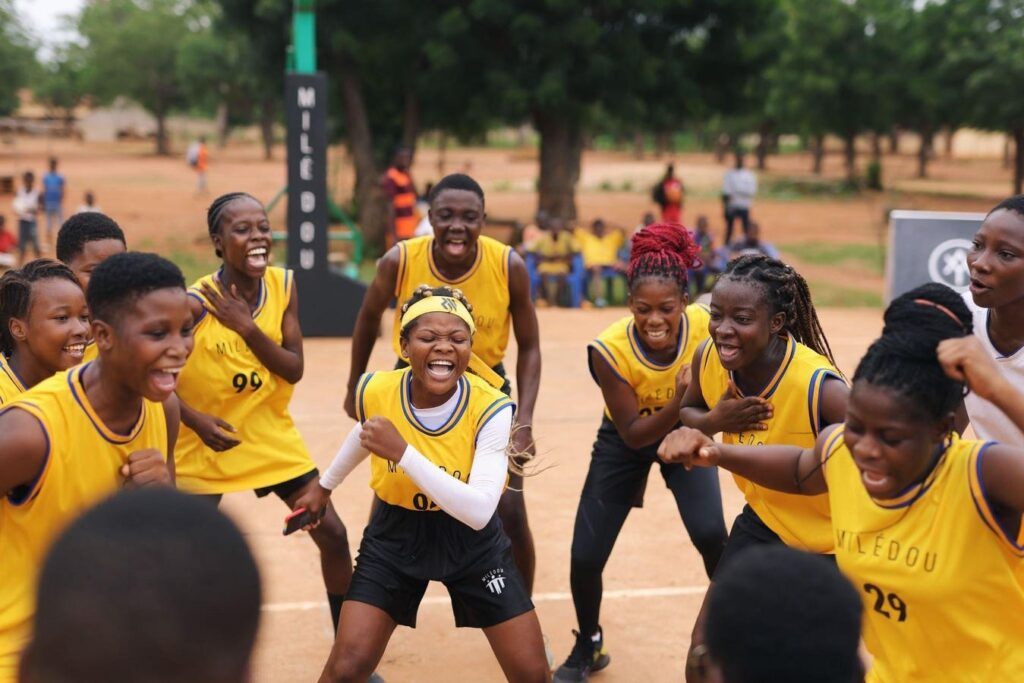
[{"x": 304, "y": 37}]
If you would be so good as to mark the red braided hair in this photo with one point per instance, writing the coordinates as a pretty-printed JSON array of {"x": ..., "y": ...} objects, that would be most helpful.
[{"x": 664, "y": 251}]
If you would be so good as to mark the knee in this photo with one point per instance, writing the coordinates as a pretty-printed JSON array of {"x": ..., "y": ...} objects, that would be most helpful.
[
  {"x": 709, "y": 537},
  {"x": 536, "y": 671},
  {"x": 331, "y": 536},
  {"x": 348, "y": 667}
]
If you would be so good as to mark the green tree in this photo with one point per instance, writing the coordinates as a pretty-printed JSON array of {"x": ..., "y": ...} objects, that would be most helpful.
[
  {"x": 61, "y": 85},
  {"x": 17, "y": 57},
  {"x": 132, "y": 50}
]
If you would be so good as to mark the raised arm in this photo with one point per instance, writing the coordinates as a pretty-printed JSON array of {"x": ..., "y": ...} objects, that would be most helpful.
[
  {"x": 524, "y": 324},
  {"x": 635, "y": 429},
  {"x": 375, "y": 302}
]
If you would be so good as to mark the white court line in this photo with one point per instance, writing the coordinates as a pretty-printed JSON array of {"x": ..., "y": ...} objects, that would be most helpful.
[{"x": 663, "y": 592}]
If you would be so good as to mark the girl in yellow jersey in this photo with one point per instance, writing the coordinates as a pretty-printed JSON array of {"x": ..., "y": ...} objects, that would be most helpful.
[
  {"x": 925, "y": 524},
  {"x": 642, "y": 365},
  {"x": 84, "y": 433},
  {"x": 83, "y": 242},
  {"x": 239, "y": 381},
  {"x": 438, "y": 438},
  {"x": 44, "y": 325},
  {"x": 766, "y": 376}
]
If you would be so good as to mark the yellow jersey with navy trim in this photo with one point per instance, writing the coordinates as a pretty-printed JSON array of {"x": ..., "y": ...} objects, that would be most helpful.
[
  {"x": 224, "y": 378},
  {"x": 795, "y": 394},
  {"x": 10, "y": 384},
  {"x": 91, "y": 352},
  {"x": 83, "y": 466},
  {"x": 942, "y": 583},
  {"x": 485, "y": 285},
  {"x": 451, "y": 446},
  {"x": 653, "y": 383}
]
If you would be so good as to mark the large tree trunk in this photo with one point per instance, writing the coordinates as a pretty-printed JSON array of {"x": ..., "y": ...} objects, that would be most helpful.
[
  {"x": 162, "y": 146},
  {"x": 267, "y": 127},
  {"x": 950, "y": 133},
  {"x": 369, "y": 197},
  {"x": 818, "y": 152},
  {"x": 662, "y": 143},
  {"x": 410, "y": 120},
  {"x": 560, "y": 152},
  {"x": 1007, "y": 151},
  {"x": 850, "y": 155},
  {"x": 722, "y": 144},
  {"x": 1018, "y": 160},
  {"x": 442, "y": 153},
  {"x": 876, "y": 147},
  {"x": 764, "y": 139},
  {"x": 894, "y": 140},
  {"x": 924, "y": 151},
  {"x": 223, "y": 127},
  {"x": 638, "y": 145}
]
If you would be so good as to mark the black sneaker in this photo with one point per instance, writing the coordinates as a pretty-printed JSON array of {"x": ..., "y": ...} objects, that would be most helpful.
[{"x": 586, "y": 657}]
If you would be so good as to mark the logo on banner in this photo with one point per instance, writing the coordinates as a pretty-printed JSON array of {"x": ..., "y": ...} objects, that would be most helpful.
[{"x": 948, "y": 264}]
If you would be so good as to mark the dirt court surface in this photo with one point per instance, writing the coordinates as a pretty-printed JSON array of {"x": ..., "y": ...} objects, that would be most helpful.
[{"x": 654, "y": 582}]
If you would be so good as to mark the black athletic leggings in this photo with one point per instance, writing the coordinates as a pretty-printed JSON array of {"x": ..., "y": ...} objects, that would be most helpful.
[{"x": 615, "y": 484}]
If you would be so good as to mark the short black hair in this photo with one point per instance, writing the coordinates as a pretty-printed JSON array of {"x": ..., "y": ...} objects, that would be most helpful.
[
  {"x": 455, "y": 181},
  {"x": 152, "y": 586},
  {"x": 123, "y": 278},
  {"x": 778, "y": 614},
  {"x": 1014, "y": 203},
  {"x": 903, "y": 358},
  {"x": 82, "y": 228}
]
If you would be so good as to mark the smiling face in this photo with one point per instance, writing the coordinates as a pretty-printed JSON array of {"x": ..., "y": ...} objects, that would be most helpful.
[
  {"x": 92, "y": 254},
  {"x": 149, "y": 342},
  {"x": 243, "y": 238},
  {"x": 437, "y": 348},
  {"x": 457, "y": 217},
  {"x": 742, "y": 323},
  {"x": 996, "y": 260},
  {"x": 56, "y": 327},
  {"x": 890, "y": 438},
  {"x": 657, "y": 305}
]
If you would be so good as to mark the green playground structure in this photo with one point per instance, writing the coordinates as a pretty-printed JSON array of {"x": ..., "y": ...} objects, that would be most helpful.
[{"x": 339, "y": 217}]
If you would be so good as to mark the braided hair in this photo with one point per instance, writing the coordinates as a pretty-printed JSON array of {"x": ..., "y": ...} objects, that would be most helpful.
[
  {"x": 216, "y": 212},
  {"x": 662, "y": 251},
  {"x": 786, "y": 292},
  {"x": 16, "y": 293},
  {"x": 424, "y": 291},
  {"x": 903, "y": 358}
]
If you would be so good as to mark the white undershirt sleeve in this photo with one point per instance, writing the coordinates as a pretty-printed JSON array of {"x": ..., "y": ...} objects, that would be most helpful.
[
  {"x": 349, "y": 456},
  {"x": 473, "y": 503}
]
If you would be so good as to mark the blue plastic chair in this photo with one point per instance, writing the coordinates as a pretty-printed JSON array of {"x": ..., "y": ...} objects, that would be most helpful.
[{"x": 576, "y": 279}]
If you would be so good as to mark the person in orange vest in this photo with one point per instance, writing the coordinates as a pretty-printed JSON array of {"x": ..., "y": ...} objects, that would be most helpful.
[{"x": 401, "y": 191}]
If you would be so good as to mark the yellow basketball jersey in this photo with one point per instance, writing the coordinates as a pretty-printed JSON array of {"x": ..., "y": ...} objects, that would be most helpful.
[
  {"x": 10, "y": 384},
  {"x": 223, "y": 377},
  {"x": 485, "y": 285},
  {"x": 451, "y": 447},
  {"x": 943, "y": 586},
  {"x": 82, "y": 467},
  {"x": 653, "y": 383},
  {"x": 795, "y": 394}
]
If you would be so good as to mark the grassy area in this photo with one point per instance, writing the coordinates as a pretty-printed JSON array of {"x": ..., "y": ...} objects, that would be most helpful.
[
  {"x": 192, "y": 265},
  {"x": 829, "y": 295},
  {"x": 868, "y": 256},
  {"x": 801, "y": 189}
]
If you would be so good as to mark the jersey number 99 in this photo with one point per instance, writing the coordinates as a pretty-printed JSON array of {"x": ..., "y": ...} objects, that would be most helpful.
[{"x": 241, "y": 381}]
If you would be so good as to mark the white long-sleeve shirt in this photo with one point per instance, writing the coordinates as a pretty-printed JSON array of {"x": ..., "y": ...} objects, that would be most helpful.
[{"x": 473, "y": 503}]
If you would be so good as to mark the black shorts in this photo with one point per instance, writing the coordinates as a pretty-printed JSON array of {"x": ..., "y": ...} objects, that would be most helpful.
[
  {"x": 403, "y": 550},
  {"x": 748, "y": 531},
  {"x": 287, "y": 488},
  {"x": 618, "y": 473},
  {"x": 506, "y": 388}
]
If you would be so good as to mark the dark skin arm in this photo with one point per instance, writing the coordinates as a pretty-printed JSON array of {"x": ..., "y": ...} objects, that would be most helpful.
[
  {"x": 23, "y": 449},
  {"x": 286, "y": 360},
  {"x": 789, "y": 469},
  {"x": 730, "y": 414},
  {"x": 213, "y": 431},
  {"x": 172, "y": 413},
  {"x": 636, "y": 430},
  {"x": 527, "y": 331},
  {"x": 375, "y": 302}
]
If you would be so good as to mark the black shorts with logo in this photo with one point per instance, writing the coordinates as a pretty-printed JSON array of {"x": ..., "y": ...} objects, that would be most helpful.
[{"x": 403, "y": 550}]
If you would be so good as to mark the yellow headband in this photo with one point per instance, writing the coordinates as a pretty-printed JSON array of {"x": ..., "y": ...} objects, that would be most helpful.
[
  {"x": 448, "y": 304},
  {"x": 439, "y": 304}
]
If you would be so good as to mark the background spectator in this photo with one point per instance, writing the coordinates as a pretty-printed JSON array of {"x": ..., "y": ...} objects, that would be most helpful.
[
  {"x": 738, "y": 190},
  {"x": 600, "y": 249},
  {"x": 7, "y": 243},
  {"x": 753, "y": 244},
  {"x": 27, "y": 204},
  {"x": 89, "y": 204},
  {"x": 554, "y": 250},
  {"x": 712, "y": 259},
  {"x": 53, "y": 199},
  {"x": 401, "y": 191},
  {"x": 668, "y": 194}
]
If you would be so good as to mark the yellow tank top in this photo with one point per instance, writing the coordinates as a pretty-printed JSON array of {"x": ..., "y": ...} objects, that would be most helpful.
[
  {"x": 943, "y": 586},
  {"x": 653, "y": 383},
  {"x": 10, "y": 384},
  {"x": 224, "y": 378},
  {"x": 82, "y": 467},
  {"x": 485, "y": 285},
  {"x": 451, "y": 447},
  {"x": 795, "y": 394}
]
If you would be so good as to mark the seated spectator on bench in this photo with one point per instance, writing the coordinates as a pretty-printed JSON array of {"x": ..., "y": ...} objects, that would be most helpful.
[{"x": 600, "y": 248}]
